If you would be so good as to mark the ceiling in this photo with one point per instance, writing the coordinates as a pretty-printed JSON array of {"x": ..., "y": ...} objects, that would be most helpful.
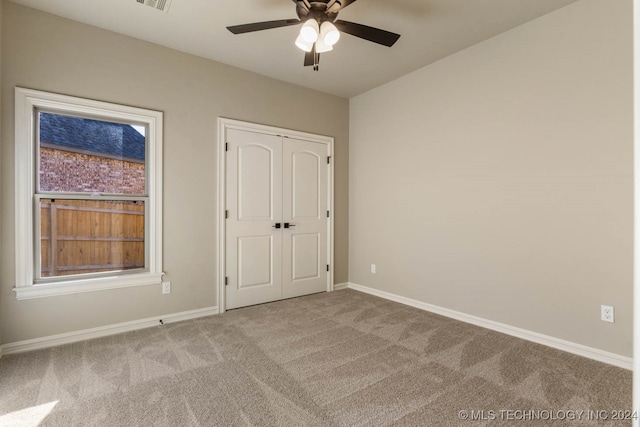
[{"x": 430, "y": 29}]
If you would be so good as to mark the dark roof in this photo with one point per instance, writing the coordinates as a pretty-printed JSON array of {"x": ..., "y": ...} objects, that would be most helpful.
[{"x": 115, "y": 139}]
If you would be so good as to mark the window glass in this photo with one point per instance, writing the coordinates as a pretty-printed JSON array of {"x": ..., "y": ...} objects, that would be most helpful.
[
  {"x": 80, "y": 155},
  {"x": 87, "y": 236}
]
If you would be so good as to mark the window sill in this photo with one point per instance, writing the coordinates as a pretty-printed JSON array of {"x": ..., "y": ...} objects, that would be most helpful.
[{"x": 87, "y": 285}]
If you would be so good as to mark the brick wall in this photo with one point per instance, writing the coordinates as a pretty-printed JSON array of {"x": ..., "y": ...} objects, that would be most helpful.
[{"x": 74, "y": 172}]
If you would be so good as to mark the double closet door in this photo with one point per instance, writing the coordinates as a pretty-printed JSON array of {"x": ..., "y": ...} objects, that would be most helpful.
[{"x": 276, "y": 226}]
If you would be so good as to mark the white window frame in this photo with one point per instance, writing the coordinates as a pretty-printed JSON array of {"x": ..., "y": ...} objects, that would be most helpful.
[{"x": 27, "y": 103}]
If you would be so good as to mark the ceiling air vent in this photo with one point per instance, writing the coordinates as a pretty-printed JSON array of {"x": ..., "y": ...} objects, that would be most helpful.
[{"x": 162, "y": 5}]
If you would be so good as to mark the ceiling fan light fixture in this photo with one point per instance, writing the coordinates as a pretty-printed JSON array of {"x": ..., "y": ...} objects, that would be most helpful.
[
  {"x": 322, "y": 47},
  {"x": 329, "y": 34},
  {"x": 310, "y": 30},
  {"x": 303, "y": 44},
  {"x": 319, "y": 28}
]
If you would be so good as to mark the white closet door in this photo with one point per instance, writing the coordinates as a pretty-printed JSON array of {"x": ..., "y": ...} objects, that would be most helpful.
[
  {"x": 304, "y": 198},
  {"x": 276, "y": 230},
  {"x": 254, "y": 204}
]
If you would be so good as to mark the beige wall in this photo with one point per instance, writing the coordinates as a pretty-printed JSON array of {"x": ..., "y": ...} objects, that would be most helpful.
[
  {"x": 498, "y": 182},
  {"x": 49, "y": 53}
]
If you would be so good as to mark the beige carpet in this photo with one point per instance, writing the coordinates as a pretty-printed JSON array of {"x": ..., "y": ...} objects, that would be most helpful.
[{"x": 338, "y": 359}]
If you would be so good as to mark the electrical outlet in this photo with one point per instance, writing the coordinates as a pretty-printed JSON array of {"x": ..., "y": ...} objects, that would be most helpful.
[
  {"x": 606, "y": 313},
  {"x": 166, "y": 287},
  {"x": 373, "y": 268}
]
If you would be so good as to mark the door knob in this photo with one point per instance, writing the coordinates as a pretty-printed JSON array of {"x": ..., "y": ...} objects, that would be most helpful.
[
  {"x": 277, "y": 225},
  {"x": 287, "y": 225}
]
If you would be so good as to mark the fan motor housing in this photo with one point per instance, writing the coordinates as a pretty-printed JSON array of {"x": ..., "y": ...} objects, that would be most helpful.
[{"x": 317, "y": 10}]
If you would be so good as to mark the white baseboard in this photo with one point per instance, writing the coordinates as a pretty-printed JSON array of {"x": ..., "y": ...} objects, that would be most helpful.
[
  {"x": 102, "y": 331},
  {"x": 557, "y": 343},
  {"x": 340, "y": 286}
]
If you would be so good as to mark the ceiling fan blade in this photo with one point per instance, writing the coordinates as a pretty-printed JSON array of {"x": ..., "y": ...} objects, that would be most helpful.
[
  {"x": 308, "y": 58},
  {"x": 346, "y": 3},
  {"x": 372, "y": 34},
  {"x": 312, "y": 58},
  {"x": 259, "y": 26}
]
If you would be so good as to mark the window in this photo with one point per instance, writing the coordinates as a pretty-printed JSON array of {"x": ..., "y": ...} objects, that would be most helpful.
[{"x": 88, "y": 195}]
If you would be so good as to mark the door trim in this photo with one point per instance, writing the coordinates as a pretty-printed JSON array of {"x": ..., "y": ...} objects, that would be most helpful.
[{"x": 223, "y": 125}]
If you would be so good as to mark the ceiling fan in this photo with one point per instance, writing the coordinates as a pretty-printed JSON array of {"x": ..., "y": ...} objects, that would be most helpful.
[{"x": 320, "y": 29}]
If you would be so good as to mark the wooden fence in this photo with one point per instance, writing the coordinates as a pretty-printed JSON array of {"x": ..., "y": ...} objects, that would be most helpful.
[{"x": 81, "y": 236}]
